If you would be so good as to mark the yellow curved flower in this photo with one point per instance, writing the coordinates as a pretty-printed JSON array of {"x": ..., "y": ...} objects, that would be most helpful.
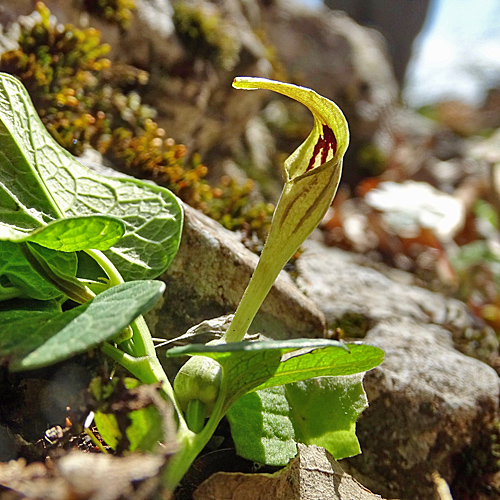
[{"x": 312, "y": 174}]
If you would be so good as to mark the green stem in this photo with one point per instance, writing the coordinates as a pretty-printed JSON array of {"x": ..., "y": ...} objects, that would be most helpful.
[
  {"x": 192, "y": 444},
  {"x": 148, "y": 370},
  {"x": 263, "y": 278},
  {"x": 114, "y": 276},
  {"x": 10, "y": 292},
  {"x": 141, "y": 360},
  {"x": 70, "y": 286},
  {"x": 141, "y": 343}
]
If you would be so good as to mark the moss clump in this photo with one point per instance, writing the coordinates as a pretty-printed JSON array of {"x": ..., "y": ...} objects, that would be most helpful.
[
  {"x": 113, "y": 11},
  {"x": 234, "y": 207},
  {"x": 83, "y": 101},
  {"x": 205, "y": 35},
  {"x": 354, "y": 325},
  {"x": 59, "y": 67},
  {"x": 372, "y": 160}
]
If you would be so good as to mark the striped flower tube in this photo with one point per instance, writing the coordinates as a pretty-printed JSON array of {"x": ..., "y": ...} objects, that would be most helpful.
[{"x": 312, "y": 174}]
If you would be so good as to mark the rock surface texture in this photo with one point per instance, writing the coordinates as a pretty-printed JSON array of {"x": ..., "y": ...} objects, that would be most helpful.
[
  {"x": 428, "y": 402},
  {"x": 312, "y": 475},
  {"x": 208, "y": 278}
]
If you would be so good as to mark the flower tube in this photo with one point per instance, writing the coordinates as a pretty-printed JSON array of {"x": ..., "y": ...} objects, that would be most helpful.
[{"x": 312, "y": 174}]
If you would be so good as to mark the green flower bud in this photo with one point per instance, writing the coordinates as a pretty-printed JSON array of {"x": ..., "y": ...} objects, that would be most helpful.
[{"x": 198, "y": 379}]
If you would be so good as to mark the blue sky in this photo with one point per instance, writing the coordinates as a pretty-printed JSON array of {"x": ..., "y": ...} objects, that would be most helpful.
[{"x": 458, "y": 53}]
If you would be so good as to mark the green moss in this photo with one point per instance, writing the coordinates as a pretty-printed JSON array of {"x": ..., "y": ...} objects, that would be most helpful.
[
  {"x": 372, "y": 160},
  {"x": 113, "y": 11},
  {"x": 85, "y": 101},
  {"x": 205, "y": 35},
  {"x": 59, "y": 67},
  {"x": 354, "y": 325},
  {"x": 233, "y": 207}
]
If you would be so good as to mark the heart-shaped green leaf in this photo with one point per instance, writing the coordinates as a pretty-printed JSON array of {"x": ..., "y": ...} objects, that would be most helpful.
[
  {"x": 329, "y": 362},
  {"x": 248, "y": 366},
  {"x": 261, "y": 427},
  {"x": 266, "y": 425},
  {"x": 63, "y": 264},
  {"x": 55, "y": 245},
  {"x": 40, "y": 182}
]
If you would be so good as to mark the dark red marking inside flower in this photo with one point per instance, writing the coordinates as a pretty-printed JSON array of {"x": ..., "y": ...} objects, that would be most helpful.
[{"x": 326, "y": 143}]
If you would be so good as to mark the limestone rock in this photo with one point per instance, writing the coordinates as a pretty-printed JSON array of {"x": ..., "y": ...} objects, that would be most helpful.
[
  {"x": 357, "y": 297},
  {"x": 208, "y": 277},
  {"x": 399, "y": 22},
  {"x": 428, "y": 401},
  {"x": 312, "y": 475},
  {"x": 194, "y": 97}
]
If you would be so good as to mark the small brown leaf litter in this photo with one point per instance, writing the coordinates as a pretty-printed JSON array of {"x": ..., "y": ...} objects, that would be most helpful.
[{"x": 86, "y": 476}]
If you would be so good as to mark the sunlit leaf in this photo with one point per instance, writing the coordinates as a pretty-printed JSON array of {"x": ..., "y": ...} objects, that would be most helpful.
[
  {"x": 40, "y": 182},
  {"x": 267, "y": 424},
  {"x": 249, "y": 366},
  {"x": 33, "y": 339}
]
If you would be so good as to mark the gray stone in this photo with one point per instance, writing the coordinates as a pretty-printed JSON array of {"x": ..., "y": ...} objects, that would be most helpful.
[
  {"x": 195, "y": 101},
  {"x": 151, "y": 24},
  {"x": 357, "y": 297},
  {"x": 428, "y": 401},
  {"x": 157, "y": 16},
  {"x": 312, "y": 475},
  {"x": 399, "y": 21},
  {"x": 208, "y": 277},
  {"x": 149, "y": 40}
]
